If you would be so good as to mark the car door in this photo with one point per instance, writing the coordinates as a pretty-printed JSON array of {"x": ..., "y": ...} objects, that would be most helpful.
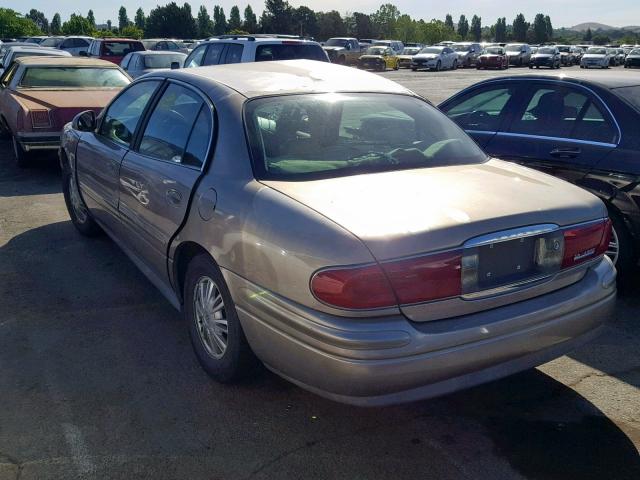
[
  {"x": 100, "y": 153},
  {"x": 159, "y": 174},
  {"x": 483, "y": 110},
  {"x": 561, "y": 129}
]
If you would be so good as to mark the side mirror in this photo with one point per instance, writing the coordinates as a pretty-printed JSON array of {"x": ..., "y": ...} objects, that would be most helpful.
[
  {"x": 175, "y": 65},
  {"x": 84, "y": 121},
  {"x": 83, "y": 53}
]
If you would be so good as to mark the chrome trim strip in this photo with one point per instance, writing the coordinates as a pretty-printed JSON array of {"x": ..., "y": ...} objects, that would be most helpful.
[
  {"x": 486, "y": 132},
  {"x": 563, "y": 139},
  {"x": 511, "y": 234}
]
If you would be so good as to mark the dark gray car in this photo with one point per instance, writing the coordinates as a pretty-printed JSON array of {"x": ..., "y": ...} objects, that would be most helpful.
[{"x": 338, "y": 228}]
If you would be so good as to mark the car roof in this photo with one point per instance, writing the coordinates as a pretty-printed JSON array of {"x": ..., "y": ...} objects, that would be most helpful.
[
  {"x": 264, "y": 39},
  {"x": 43, "y": 50},
  {"x": 156, "y": 53},
  {"x": 606, "y": 80},
  {"x": 117, "y": 40},
  {"x": 64, "y": 60},
  {"x": 254, "y": 79}
]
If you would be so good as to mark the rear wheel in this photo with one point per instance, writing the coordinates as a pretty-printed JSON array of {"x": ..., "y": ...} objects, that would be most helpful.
[
  {"x": 216, "y": 334},
  {"x": 78, "y": 211},
  {"x": 621, "y": 250},
  {"x": 438, "y": 66}
]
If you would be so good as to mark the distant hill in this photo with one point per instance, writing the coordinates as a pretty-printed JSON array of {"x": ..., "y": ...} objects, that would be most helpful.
[{"x": 582, "y": 27}]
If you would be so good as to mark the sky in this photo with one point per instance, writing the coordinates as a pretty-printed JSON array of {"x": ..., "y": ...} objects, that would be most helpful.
[{"x": 565, "y": 13}]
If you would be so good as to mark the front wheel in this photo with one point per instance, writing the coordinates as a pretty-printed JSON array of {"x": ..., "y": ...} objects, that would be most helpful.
[
  {"x": 216, "y": 334},
  {"x": 438, "y": 66},
  {"x": 78, "y": 211}
]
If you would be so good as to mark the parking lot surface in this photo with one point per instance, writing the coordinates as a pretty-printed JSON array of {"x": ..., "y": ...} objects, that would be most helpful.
[{"x": 98, "y": 379}]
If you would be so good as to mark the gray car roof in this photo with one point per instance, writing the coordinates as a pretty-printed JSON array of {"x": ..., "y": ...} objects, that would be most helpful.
[
  {"x": 606, "y": 80},
  {"x": 254, "y": 79}
]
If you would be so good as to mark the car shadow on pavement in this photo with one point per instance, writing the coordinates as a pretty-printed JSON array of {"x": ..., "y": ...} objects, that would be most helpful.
[
  {"x": 41, "y": 177},
  {"x": 88, "y": 346}
]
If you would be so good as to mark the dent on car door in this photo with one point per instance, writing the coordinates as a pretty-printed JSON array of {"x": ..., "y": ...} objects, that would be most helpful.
[
  {"x": 99, "y": 154},
  {"x": 561, "y": 130},
  {"x": 159, "y": 174},
  {"x": 483, "y": 111}
]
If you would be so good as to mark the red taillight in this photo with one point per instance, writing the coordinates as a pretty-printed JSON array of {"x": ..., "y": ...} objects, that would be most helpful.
[
  {"x": 40, "y": 118},
  {"x": 584, "y": 243},
  {"x": 353, "y": 288},
  {"x": 425, "y": 278}
]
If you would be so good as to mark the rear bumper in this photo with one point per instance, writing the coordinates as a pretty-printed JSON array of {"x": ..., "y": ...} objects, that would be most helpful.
[
  {"x": 372, "y": 362},
  {"x": 39, "y": 141}
]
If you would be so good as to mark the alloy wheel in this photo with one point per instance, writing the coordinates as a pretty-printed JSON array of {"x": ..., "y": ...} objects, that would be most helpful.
[
  {"x": 613, "y": 252},
  {"x": 210, "y": 317}
]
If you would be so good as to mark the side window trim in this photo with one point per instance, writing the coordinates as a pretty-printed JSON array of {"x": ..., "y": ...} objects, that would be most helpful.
[{"x": 206, "y": 102}]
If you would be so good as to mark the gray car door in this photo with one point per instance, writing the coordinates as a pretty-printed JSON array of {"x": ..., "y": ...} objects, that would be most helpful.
[
  {"x": 99, "y": 154},
  {"x": 159, "y": 174}
]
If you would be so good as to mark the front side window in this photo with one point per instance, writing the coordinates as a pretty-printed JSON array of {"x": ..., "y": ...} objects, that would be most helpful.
[
  {"x": 482, "y": 111},
  {"x": 123, "y": 115},
  {"x": 302, "y": 137},
  {"x": 196, "y": 57},
  {"x": 290, "y": 51},
  {"x": 166, "y": 135},
  {"x": 161, "y": 61}
]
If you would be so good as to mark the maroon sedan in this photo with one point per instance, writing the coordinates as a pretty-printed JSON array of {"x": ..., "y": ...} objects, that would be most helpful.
[
  {"x": 493, "y": 57},
  {"x": 39, "y": 95}
]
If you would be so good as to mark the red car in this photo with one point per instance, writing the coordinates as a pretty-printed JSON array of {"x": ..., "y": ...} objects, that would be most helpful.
[
  {"x": 493, "y": 57},
  {"x": 113, "y": 49},
  {"x": 39, "y": 95}
]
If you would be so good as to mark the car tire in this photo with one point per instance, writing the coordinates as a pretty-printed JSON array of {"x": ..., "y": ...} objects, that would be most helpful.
[
  {"x": 215, "y": 330},
  {"x": 627, "y": 257},
  {"x": 438, "y": 66},
  {"x": 22, "y": 157},
  {"x": 455, "y": 65},
  {"x": 78, "y": 211},
  {"x": 397, "y": 66}
]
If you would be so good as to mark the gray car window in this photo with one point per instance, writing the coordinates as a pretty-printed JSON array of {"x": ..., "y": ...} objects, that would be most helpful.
[
  {"x": 196, "y": 57},
  {"x": 122, "y": 117},
  {"x": 482, "y": 110},
  {"x": 234, "y": 53},
  {"x": 196, "y": 151},
  {"x": 167, "y": 132},
  {"x": 213, "y": 54}
]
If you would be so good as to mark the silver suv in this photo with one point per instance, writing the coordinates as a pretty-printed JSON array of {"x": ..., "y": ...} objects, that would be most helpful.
[
  {"x": 254, "y": 48},
  {"x": 468, "y": 53}
]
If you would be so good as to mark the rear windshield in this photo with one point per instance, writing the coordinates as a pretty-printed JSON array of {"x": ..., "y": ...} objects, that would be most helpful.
[
  {"x": 494, "y": 51},
  {"x": 514, "y": 48},
  {"x": 304, "y": 137},
  {"x": 73, "y": 77},
  {"x": 120, "y": 49},
  {"x": 162, "y": 61},
  {"x": 461, "y": 48},
  {"x": 51, "y": 42},
  {"x": 546, "y": 50},
  {"x": 290, "y": 51},
  {"x": 630, "y": 94}
]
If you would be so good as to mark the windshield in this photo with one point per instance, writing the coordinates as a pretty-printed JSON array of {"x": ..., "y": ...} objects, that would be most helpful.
[
  {"x": 163, "y": 61},
  {"x": 635, "y": 52},
  {"x": 565, "y": 49},
  {"x": 304, "y": 137},
  {"x": 73, "y": 77},
  {"x": 514, "y": 48},
  {"x": 290, "y": 51},
  {"x": 376, "y": 50},
  {"x": 149, "y": 44},
  {"x": 410, "y": 51},
  {"x": 546, "y": 50},
  {"x": 431, "y": 50},
  {"x": 630, "y": 94},
  {"x": 336, "y": 42},
  {"x": 51, "y": 42},
  {"x": 494, "y": 51},
  {"x": 461, "y": 48},
  {"x": 597, "y": 51}
]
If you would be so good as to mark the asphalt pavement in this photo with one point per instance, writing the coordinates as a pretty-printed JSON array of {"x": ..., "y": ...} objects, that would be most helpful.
[{"x": 98, "y": 380}]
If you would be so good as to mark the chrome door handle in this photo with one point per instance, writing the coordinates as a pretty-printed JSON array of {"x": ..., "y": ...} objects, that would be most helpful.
[{"x": 174, "y": 197}]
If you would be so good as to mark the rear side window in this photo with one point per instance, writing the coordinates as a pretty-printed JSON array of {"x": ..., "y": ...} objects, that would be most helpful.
[
  {"x": 482, "y": 110},
  {"x": 167, "y": 132},
  {"x": 119, "y": 49},
  {"x": 290, "y": 51},
  {"x": 196, "y": 151},
  {"x": 196, "y": 57},
  {"x": 630, "y": 94},
  {"x": 234, "y": 53},
  {"x": 213, "y": 54},
  {"x": 73, "y": 77}
]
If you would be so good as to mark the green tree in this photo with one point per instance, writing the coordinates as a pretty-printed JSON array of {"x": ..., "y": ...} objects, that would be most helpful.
[
  {"x": 171, "y": 21},
  {"x": 588, "y": 35},
  {"x": 520, "y": 28},
  {"x": 501, "y": 30},
  {"x": 476, "y": 28},
  {"x": 39, "y": 19},
  {"x": 330, "y": 24},
  {"x": 140, "y": 19},
  {"x": 205, "y": 24},
  {"x": 432, "y": 32},
  {"x": 601, "y": 39},
  {"x": 463, "y": 27},
  {"x": 406, "y": 29},
  {"x": 448, "y": 21},
  {"x": 305, "y": 21},
  {"x": 123, "y": 18},
  {"x": 549, "y": 26},
  {"x": 92, "y": 18},
  {"x": 361, "y": 26},
  {"x": 385, "y": 19},
  {"x": 12, "y": 24},
  {"x": 277, "y": 17},
  {"x": 250, "y": 23},
  {"x": 188, "y": 25},
  {"x": 219, "y": 21},
  {"x": 539, "y": 29},
  {"x": 56, "y": 25},
  {"x": 235, "y": 23},
  {"x": 131, "y": 31},
  {"x": 77, "y": 25}
]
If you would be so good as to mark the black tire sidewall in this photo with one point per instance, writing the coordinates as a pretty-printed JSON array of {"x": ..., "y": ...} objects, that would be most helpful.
[
  {"x": 238, "y": 360},
  {"x": 89, "y": 227},
  {"x": 627, "y": 256}
]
